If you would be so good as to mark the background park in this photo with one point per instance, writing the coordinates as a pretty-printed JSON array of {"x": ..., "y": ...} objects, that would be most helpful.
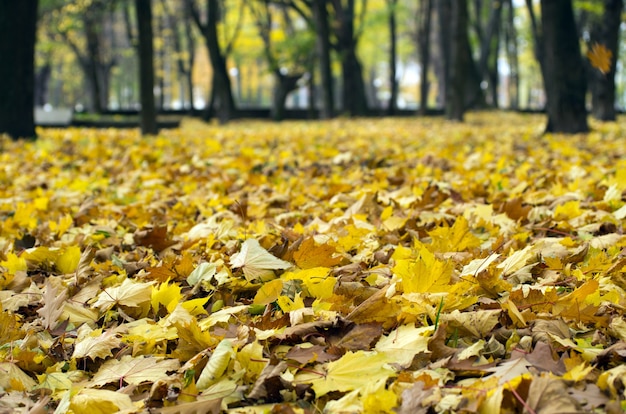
[{"x": 312, "y": 206}]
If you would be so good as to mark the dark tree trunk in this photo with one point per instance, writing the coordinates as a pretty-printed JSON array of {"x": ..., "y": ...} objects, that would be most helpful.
[
  {"x": 393, "y": 81},
  {"x": 222, "y": 102},
  {"x": 564, "y": 73},
  {"x": 284, "y": 85},
  {"x": 191, "y": 51},
  {"x": 354, "y": 97},
  {"x": 18, "y": 22},
  {"x": 320, "y": 17},
  {"x": 42, "y": 81},
  {"x": 487, "y": 64},
  {"x": 146, "y": 67},
  {"x": 424, "y": 51},
  {"x": 91, "y": 66},
  {"x": 602, "y": 85},
  {"x": 441, "y": 61},
  {"x": 458, "y": 61}
]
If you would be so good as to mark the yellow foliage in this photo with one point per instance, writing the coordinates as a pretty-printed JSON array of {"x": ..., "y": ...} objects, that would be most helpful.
[{"x": 379, "y": 262}]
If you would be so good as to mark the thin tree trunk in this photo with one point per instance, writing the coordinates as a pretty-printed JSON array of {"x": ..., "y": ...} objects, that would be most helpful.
[
  {"x": 444, "y": 16},
  {"x": 424, "y": 46},
  {"x": 18, "y": 23},
  {"x": 511, "y": 52},
  {"x": 146, "y": 67},
  {"x": 320, "y": 16},
  {"x": 393, "y": 81}
]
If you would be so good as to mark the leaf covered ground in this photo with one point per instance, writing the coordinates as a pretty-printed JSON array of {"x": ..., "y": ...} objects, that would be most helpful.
[{"x": 406, "y": 265}]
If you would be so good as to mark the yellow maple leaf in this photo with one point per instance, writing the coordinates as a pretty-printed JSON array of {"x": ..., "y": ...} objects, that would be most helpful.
[
  {"x": 89, "y": 400},
  {"x": 403, "y": 343},
  {"x": 311, "y": 254},
  {"x": 67, "y": 262},
  {"x": 457, "y": 238},
  {"x": 134, "y": 370},
  {"x": 269, "y": 292},
  {"x": 424, "y": 274},
  {"x": 352, "y": 371},
  {"x": 317, "y": 281},
  {"x": 95, "y": 344},
  {"x": 168, "y": 295},
  {"x": 600, "y": 57}
]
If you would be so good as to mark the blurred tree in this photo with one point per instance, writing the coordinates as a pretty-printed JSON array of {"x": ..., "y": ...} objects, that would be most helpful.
[
  {"x": 458, "y": 59},
  {"x": 221, "y": 102},
  {"x": 286, "y": 49},
  {"x": 424, "y": 24},
  {"x": 511, "y": 52},
  {"x": 322, "y": 30},
  {"x": 145, "y": 49},
  {"x": 562, "y": 68},
  {"x": 604, "y": 31},
  {"x": 178, "y": 19},
  {"x": 487, "y": 32},
  {"x": 347, "y": 26},
  {"x": 393, "y": 57},
  {"x": 18, "y": 25},
  {"x": 461, "y": 77},
  {"x": 87, "y": 28}
]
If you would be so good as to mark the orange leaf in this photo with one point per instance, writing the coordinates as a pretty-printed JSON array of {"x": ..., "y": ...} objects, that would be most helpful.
[{"x": 600, "y": 57}]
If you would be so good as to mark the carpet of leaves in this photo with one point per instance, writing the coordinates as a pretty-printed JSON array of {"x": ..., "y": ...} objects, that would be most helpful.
[{"x": 406, "y": 265}]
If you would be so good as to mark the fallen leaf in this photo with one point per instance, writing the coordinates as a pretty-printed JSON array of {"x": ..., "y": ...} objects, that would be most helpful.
[
  {"x": 550, "y": 395},
  {"x": 129, "y": 370},
  {"x": 256, "y": 262},
  {"x": 351, "y": 371}
]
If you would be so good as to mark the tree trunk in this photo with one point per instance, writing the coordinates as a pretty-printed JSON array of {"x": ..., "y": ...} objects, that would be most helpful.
[
  {"x": 283, "y": 86},
  {"x": 510, "y": 35},
  {"x": 424, "y": 51},
  {"x": 393, "y": 81},
  {"x": 42, "y": 83},
  {"x": 146, "y": 67},
  {"x": 602, "y": 85},
  {"x": 487, "y": 64},
  {"x": 564, "y": 73},
  {"x": 458, "y": 63},
  {"x": 18, "y": 23},
  {"x": 354, "y": 98},
  {"x": 320, "y": 16},
  {"x": 222, "y": 95}
]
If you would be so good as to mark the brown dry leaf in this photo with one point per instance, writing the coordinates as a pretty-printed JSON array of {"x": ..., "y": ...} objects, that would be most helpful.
[
  {"x": 310, "y": 354},
  {"x": 413, "y": 399},
  {"x": 550, "y": 395},
  {"x": 359, "y": 337},
  {"x": 54, "y": 298},
  {"x": 437, "y": 344},
  {"x": 154, "y": 236}
]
